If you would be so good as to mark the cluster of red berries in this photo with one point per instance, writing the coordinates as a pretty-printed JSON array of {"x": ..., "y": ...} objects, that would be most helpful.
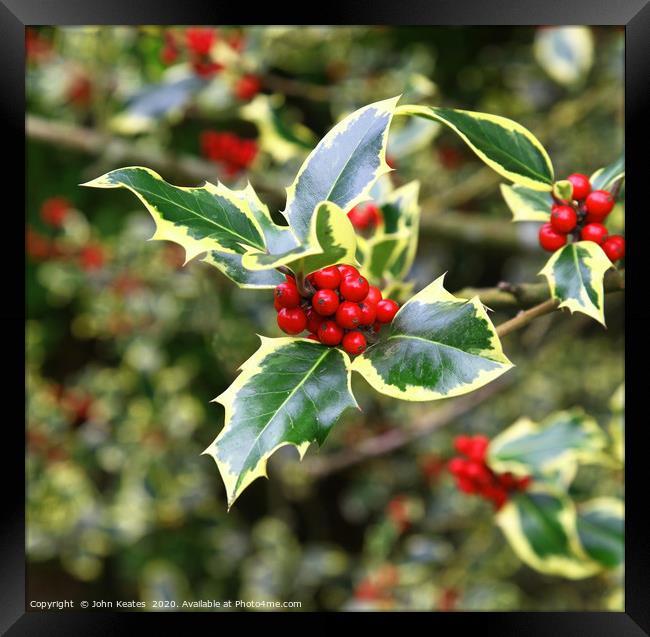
[
  {"x": 234, "y": 153},
  {"x": 365, "y": 216},
  {"x": 582, "y": 217},
  {"x": 474, "y": 476},
  {"x": 343, "y": 308},
  {"x": 54, "y": 211},
  {"x": 199, "y": 42}
]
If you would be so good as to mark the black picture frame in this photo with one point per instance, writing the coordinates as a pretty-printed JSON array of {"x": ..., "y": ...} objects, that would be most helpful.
[{"x": 634, "y": 15}]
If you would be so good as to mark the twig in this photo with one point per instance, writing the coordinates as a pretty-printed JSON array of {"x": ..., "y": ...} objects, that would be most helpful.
[
  {"x": 321, "y": 466},
  {"x": 527, "y": 295}
]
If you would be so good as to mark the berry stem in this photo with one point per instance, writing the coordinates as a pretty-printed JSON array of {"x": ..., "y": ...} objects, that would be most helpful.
[{"x": 305, "y": 288}]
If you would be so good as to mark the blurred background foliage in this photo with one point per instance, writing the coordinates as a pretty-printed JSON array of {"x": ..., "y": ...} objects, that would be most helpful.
[{"x": 125, "y": 347}]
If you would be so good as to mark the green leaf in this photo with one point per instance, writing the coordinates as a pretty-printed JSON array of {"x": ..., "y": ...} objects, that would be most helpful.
[
  {"x": 379, "y": 253},
  {"x": 437, "y": 346},
  {"x": 390, "y": 252},
  {"x": 331, "y": 240},
  {"x": 281, "y": 139},
  {"x": 290, "y": 392},
  {"x": 199, "y": 219},
  {"x": 605, "y": 178},
  {"x": 565, "y": 53},
  {"x": 552, "y": 448},
  {"x": 153, "y": 103},
  {"x": 575, "y": 278},
  {"x": 601, "y": 530},
  {"x": 343, "y": 166},
  {"x": 504, "y": 145},
  {"x": 405, "y": 201},
  {"x": 527, "y": 204},
  {"x": 540, "y": 526},
  {"x": 231, "y": 265}
]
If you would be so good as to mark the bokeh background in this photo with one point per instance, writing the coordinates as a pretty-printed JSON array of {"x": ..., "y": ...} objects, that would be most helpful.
[{"x": 125, "y": 347}]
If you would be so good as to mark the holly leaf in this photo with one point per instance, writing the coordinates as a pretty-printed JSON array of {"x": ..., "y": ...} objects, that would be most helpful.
[
  {"x": 231, "y": 265},
  {"x": 507, "y": 147},
  {"x": 575, "y": 278},
  {"x": 331, "y": 240},
  {"x": 390, "y": 252},
  {"x": 601, "y": 530},
  {"x": 540, "y": 526},
  {"x": 199, "y": 219},
  {"x": 551, "y": 449},
  {"x": 343, "y": 166},
  {"x": 527, "y": 204},
  {"x": 605, "y": 178},
  {"x": 566, "y": 53},
  {"x": 281, "y": 139},
  {"x": 166, "y": 100},
  {"x": 437, "y": 346},
  {"x": 290, "y": 392}
]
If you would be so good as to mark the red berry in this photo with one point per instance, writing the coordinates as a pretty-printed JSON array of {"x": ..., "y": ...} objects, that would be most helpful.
[
  {"x": 54, "y": 210},
  {"x": 563, "y": 219},
  {"x": 463, "y": 444},
  {"x": 292, "y": 320},
  {"x": 376, "y": 326},
  {"x": 365, "y": 216},
  {"x": 325, "y": 302},
  {"x": 354, "y": 288},
  {"x": 614, "y": 247},
  {"x": 287, "y": 294},
  {"x": 478, "y": 448},
  {"x": 330, "y": 333},
  {"x": 549, "y": 239},
  {"x": 386, "y": 310},
  {"x": 347, "y": 270},
  {"x": 374, "y": 295},
  {"x": 599, "y": 203},
  {"x": 92, "y": 257},
  {"x": 581, "y": 185},
  {"x": 466, "y": 485},
  {"x": 314, "y": 320},
  {"x": 368, "y": 313},
  {"x": 247, "y": 87},
  {"x": 276, "y": 304},
  {"x": 348, "y": 315},
  {"x": 478, "y": 472},
  {"x": 457, "y": 466},
  {"x": 313, "y": 337},
  {"x": 354, "y": 343},
  {"x": 595, "y": 232},
  {"x": 327, "y": 278},
  {"x": 200, "y": 40}
]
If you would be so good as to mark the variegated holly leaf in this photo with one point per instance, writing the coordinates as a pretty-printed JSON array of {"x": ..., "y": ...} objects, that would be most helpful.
[
  {"x": 343, "y": 166},
  {"x": 550, "y": 450},
  {"x": 437, "y": 346},
  {"x": 527, "y": 204},
  {"x": 199, "y": 219},
  {"x": 279, "y": 138},
  {"x": 231, "y": 265},
  {"x": 404, "y": 200},
  {"x": 379, "y": 252},
  {"x": 388, "y": 254},
  {"x": 566, "y": 53},
  {"x": 166, "y": 100},
  {"x": 575, "y": 278},
  {"x": 507, "y": 147},
  {"x": 540, "y": 526},
  {"x": 331, "y": 240},
  {"x": 605, "y": 178},
  {"x": 601, "y": 528},
  {"x": 290, "y": 392}
]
